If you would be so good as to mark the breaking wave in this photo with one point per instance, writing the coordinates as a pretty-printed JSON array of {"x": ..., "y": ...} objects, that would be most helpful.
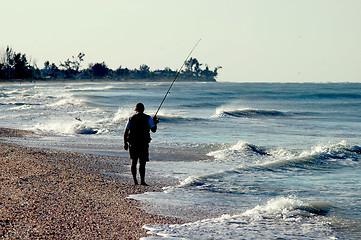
[
  {"x": 65, "y": 127},
  {"x": 287, "y": 207},
  {"x": 274, "y": 219},
  {"x": 99, "y": 88},
  {"x": 244, "y": 157},
  {"x": 332, "y": 154}
]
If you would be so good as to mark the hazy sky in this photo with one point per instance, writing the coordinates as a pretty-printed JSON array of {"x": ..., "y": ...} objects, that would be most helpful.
[{"x": 253, "y": 40}]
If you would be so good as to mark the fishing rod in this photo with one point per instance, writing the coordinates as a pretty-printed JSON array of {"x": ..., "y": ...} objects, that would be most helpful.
[{"x": 175, "y": 78}]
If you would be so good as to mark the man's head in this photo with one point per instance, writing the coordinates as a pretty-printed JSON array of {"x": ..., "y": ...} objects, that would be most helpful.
[{"x": 139, "y": 107}]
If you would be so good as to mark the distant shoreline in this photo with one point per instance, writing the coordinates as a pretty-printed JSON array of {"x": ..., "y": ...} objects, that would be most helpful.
[
  {"x": 98, "y": 80},
  {"x": 15, "y": 66}
]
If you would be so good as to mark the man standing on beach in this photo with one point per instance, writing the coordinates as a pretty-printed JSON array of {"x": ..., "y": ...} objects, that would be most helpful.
[{"x": 137, "y": 139}]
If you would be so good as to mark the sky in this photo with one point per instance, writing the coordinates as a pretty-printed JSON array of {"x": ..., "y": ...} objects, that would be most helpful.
[{"x": 253, "y": 40}]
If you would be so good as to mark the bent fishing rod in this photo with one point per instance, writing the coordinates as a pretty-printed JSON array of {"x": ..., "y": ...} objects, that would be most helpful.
[{"x": 175, "y": 78}]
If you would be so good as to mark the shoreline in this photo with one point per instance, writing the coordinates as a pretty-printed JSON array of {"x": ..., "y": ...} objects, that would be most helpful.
[
  {"x": 67, "y": 195},
  {"x": 99, "y": 80}
]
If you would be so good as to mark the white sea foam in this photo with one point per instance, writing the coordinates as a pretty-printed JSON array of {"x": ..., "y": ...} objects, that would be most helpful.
[
  {"x": 246, "y": 154},
  {"x": 65, "y": 127},
  {"x": 122, "y": 114},
  {"x": 282, "y": 217},
  {"x": 69, "y": 100}
]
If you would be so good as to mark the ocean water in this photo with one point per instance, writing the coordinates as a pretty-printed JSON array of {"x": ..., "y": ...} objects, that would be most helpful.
[{"x": 253, "y": 160}]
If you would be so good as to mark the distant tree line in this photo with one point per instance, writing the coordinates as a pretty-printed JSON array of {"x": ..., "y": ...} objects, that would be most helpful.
[{"x": 15, "y": 65}]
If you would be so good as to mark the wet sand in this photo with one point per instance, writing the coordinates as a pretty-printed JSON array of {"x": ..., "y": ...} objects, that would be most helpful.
[{"x": 49, "y": 194}]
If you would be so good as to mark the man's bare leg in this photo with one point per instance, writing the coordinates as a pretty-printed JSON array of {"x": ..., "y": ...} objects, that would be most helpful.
[
  {"x": 142, "y": 173},
  {"x": 133, "y": 169}
]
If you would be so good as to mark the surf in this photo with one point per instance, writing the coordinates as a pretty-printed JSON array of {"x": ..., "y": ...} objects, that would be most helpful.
[
  {"x": 277, "y": 218},
  {"x": 339, "y": 153}
]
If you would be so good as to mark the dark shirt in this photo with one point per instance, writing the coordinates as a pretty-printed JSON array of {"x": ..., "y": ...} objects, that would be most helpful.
[{"x": 139, "y": 126}]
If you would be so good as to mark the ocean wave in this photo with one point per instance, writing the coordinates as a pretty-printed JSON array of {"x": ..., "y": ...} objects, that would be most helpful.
[
  {"x": 333, "y": 155},
  {"x": 124, "y": 113},
  {"x": 279, "y": 218},
  {"x": 44, "y": 101},
  {"x": 241, "y": 154},
  {"x": 252, "y": 113},
  {"x": 99, "y": 88},
  {"x": 247, "y": 155},
  {"x": 287, "y": 207},
  {"x": 177, "y": 119},
  {"x": 65, "y": 127},
  {"x": 79, "y": 129},
  {"x": 200, "y": 105},
  {"x": 332, "y": 96},
  {"x": 19, "y": 104},
  {"x": 247, "y": 159},
  {"x": 69, "y": 100}
]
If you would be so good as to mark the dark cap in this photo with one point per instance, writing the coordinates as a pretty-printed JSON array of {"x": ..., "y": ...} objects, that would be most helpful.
[{"x": 139, "y": 107}]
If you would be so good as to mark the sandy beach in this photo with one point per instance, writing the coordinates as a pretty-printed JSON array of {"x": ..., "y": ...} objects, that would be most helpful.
[{"x": 48, "y": 194}]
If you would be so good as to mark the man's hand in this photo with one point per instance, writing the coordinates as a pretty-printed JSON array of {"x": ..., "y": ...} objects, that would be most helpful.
[
  {"x": 155, "y": 120},
  {"x": 126, "y": 146}
]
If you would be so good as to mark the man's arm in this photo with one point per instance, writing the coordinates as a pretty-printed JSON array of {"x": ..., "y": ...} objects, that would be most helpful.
[
  {"x": 126, "y": 133},
  {"x": 154, "y": 129},
  {"x": 153, "y": 123}
]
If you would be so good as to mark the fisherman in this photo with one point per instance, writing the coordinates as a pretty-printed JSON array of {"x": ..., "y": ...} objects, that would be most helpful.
[{"x": 137, "y": 139}]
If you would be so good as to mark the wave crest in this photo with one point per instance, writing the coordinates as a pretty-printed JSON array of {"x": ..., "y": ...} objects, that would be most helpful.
[
  {"x": 65, "y": 127},
  {"x": 330, "y": 155},
  {"x": 176, "y": 119},
  {"x": 287, "y": 207},
  {"x": 272, "y": 220},
  {"x": 252, "y": 113},
  {"x": 241, "y": 150}
]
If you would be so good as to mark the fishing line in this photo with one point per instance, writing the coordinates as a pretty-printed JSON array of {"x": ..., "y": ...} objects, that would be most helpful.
[{"x": 178, "y": 72}]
